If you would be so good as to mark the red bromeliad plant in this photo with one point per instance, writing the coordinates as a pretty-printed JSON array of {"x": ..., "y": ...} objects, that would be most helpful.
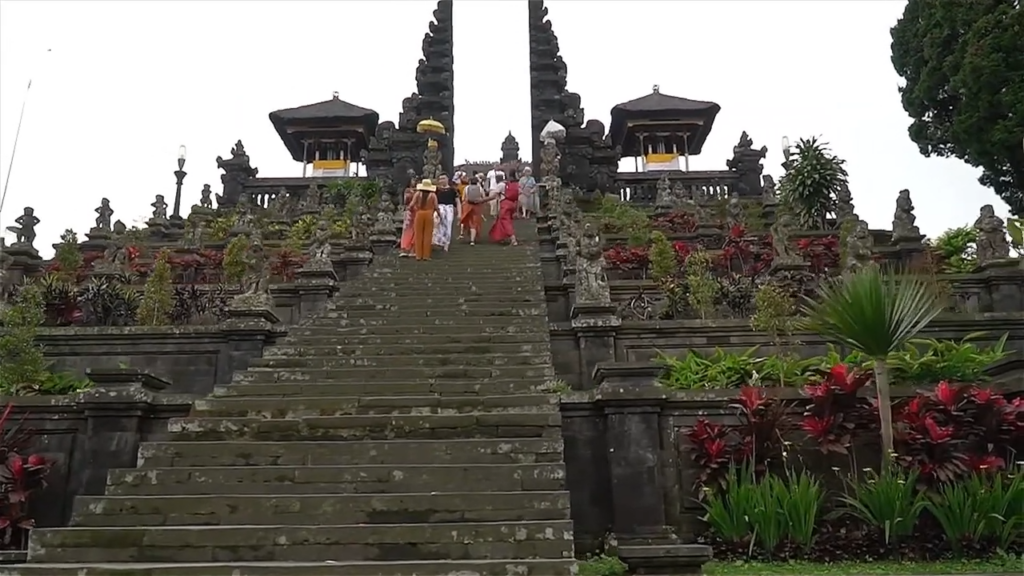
[
  {"x": 286, "y": 263},
  {"x": 20, "y": 477},
  {"x": 624, "y": 258},
  {"x": 212, "y": 265},
  {"x": 957, "y": 429},
  {"x": 743, "y": 254},
  {"x": 756, "y": 439},
  {"x": 821, "y": 253},
  {"x": 836, "y": 410}
]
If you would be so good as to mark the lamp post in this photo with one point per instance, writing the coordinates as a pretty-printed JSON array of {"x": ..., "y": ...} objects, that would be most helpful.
[{"x": 180, "y": 175}]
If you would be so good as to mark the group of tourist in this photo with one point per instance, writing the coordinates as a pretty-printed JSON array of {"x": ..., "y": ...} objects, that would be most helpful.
[{"x": 434, "y": 209}]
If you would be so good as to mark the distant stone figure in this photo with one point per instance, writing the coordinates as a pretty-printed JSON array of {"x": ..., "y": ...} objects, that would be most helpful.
[
  {"x": 25, "y": 231},
  {"x": 204, "y": 197},
  {"x": 903, "y": 219},
  {"x": 992, "y": 243},
  {"x": 103, "y": 214},
  {"x": 159, "y": 208}
]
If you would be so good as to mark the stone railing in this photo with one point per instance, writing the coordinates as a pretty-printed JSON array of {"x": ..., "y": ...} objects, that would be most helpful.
[
  {"x": 629, "y": 467},
  {"x": 87, "y": 434},
  {"x": 642, "y": 187},
  {"x": 264, "y": 190}
]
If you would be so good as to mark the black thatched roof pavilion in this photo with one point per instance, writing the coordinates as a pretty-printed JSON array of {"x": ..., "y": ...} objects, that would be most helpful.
[
  {"x": 658, "y": 119},
  {"x": 326, "y": 131}
]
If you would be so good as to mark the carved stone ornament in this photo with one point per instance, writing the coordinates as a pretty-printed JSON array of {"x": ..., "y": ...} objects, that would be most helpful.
[
  {"x": 768, "y": 195},
  {"x": 25, "y": 229},
  {"x": 550, "y": 158},
  {"x": 159, "y": 208},
  {"x": 591, "y": 278},
  {"x": 734, "y": 213},
  {"x": 992, "y": 244},
  {"x": 432, "y": 167},
  {"x": 114, "y": 260},
  {"x": 320, "y": 248},
  {"x": 204, "y": 197},
  {"x": 857, "y": 247},
  {"x": 385, "y": 221},
  {"x": 256, "y": 280},
  {"x": 193, "y": 238},
  {"x": 781, "y": 232},
  {"x": 844, "y": 205},
  {"x": 903, "y": 219}
]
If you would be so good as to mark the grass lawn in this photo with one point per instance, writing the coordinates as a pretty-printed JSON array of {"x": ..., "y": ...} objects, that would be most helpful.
[{"x": 1007, "y": 565}]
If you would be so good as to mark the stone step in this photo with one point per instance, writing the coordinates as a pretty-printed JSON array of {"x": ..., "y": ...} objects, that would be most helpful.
[
  {"x": 395, "y": 347},
  {"x": 410, "y": 289},
  {"x": 479, "y": 330},
  {"x": 327, "y": 568},
  {"x": 300, "y": 407},
  {"x": 336, "y": 509},
  {"x": 442, "y": 387},
  {"x": 318, "y": 342},
  {"x": 413, "y": 315},
  {"x": 371, "y": 373},
  {"x": 365, "y": 479},
  {"x": 402, "y": 361},
  {"x": 537, "y": 321},
  {"x": 408, "y": 285},
  {"x": 345, "y": 543},
  {"x": 371, "y": 427},
  {"x": 350, "y": 453},
  {"x": 433, "y": 300}
]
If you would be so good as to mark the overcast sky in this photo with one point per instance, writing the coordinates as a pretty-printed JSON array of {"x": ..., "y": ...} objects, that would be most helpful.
[{"x": 126, "y": 83}]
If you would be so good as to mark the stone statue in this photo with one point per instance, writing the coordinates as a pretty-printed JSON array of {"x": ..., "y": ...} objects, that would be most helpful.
[
  {"x": 244, "y": 217},
  {"x": 280, "y": 206},
  {"x": 119, "y": 228},
  {"x": 746, "y": 162},
  {"x": 310, "y": 201},
  {"x": 103, "y": 214},
  {"x": 159, "y": 208},
  {"x": 432, "y": 169},
  {"x": 550, "y": 158},
  {"x": 591, "y": 278},
  {"x": 193, "y": 238},
  {"x": 385, "y": 223},
  {"x": 115, "y": 259},
  {"x": 25, "y": 231},
  {"x": 903, "y": 219},
  {"x": 734, "y": 214},
  {"x": 204, "y": 197},
  {"x": 857, "y": 247},
  {"x": 236, "y": 171},
  {"x": 992, "y": 243},
  {"x": 320, "y": 248},
  {"x": 781, "y": 230},
  {"x": 683, "y": 200},
  {"x": 768, "y": 195},
  {"x": 663, "y": 197},
  {"x": 844, "y": 205},
  {"x": 256, "y": 279}
]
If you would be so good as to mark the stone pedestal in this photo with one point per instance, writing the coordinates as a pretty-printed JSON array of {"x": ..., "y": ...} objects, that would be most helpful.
[
  {"x": 1004, "y": 281},
  {"x": 315, "y": 285},
  {"x": 595, "y": 326},
  {"x": 248, "y": 331},
  {"x": 355, "y": 260},
  {"x": 910, "y": 250},
  {"x": 97, "y": 240},
  {"x": 665, "y": 559},
  {"x": 381, "y": 244},
  {"x": 25, "y": 261}
]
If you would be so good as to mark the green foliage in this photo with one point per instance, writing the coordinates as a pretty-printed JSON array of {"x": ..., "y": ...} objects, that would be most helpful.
[
  {"x": 618, "y": 217},
  {"x": 774, "y": 312},
  {"x": 982, "y": 507},
  {"x": 888, "y": 501},
  {"x": 810, "y": 185},
  {"x": 340, "y": 192},
  {"x": 220, "y": 226},
  {"x": 926, "y": 361},
  {"x": 158, "y": 294},
  {"x": 963, "y": 63},
  {"x": 234, "y": 259},
  {"x": 24, "y": 370},
  {"x": 956, "y": 248},
  {"x": 765, "y": 511},
  {"x": 68, "y": 256},
  {"x": 663, "y": 258},
  {"x": 1015, "y": 230},
  {"x": 602, "y": 566},
  {"x": 301, "y": 231},
  {"x": 703, "y": 287}
]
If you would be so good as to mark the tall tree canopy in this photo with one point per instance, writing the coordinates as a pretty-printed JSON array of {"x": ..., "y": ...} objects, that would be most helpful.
[{"x": 963, "y": 62}]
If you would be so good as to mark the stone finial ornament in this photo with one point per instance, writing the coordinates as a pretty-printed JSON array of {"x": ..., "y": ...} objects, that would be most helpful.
[
  {"x": 992, "y": 243},
  {"x": 903, "y": 219},
  {"x": 857, "y": 247}
]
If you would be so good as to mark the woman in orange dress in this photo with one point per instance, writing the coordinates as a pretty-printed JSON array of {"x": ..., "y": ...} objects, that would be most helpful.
[
  {"x": 405, "y": 246},
  {"x": 425, "y": 204},
  {"x": 508, "y": 202},
  {"x": 472, "y": 209}
]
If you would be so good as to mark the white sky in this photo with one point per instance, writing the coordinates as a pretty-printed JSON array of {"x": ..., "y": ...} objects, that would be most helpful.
[{"x": 127, "y": 82}]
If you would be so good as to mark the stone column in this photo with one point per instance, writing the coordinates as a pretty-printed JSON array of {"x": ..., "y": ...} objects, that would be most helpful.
[
  {"x": 1004, "y": 279},
  {"x": 633, "y": 404},
  {"x": 595, "y": 326},
  {"x": 355, "y": 260},
  {"x": 247, "y": 332},
  {"x": 25, "y": 262},
  {"x": 315, "y": 288}
]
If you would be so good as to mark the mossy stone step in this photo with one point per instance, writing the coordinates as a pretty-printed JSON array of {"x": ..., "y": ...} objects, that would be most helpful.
[
  {"x": 298, "y": 407},
  {"x": 382, "y": 373},
  {"x": 346, "y": 479},
  {"x": 350, "y": 453},
  {"x": 349, "y": 302},
  {"x": 370, "y": 427},
  {"x": 337, "y": 509},
  {"x": 440, "y": 387},
  {"x": 398, "y": 319},
  {"x": 410, "y": 289},
  {"x": 345, "y": 543},
  {"x": 498, "y": 567},
  {"x": 471, "y": 328},
  {"x": 442, "y": 346},
  {"x": 415, "y": 314},
  {"x": 325, "y": 342},
  {"x": 393, "y": 361}
]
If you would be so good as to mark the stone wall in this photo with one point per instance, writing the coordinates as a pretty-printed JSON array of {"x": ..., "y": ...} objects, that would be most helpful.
[{"x": 628, "y": 464}]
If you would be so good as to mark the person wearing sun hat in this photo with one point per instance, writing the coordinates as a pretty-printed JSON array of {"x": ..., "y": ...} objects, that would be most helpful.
[{"x": 424, "y": 202}]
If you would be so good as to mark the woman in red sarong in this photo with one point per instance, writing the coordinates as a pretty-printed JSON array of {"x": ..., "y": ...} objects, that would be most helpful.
[
  {"x": 503, "y": 228},
  {"x": 405, "y": 245}
]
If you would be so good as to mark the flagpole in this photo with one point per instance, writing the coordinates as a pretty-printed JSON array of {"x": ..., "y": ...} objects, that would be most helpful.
[{"x": 14, "y": 149}]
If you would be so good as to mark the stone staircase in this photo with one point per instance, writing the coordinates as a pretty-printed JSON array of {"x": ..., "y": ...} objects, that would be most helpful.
[{"x": 405, "y": 431}]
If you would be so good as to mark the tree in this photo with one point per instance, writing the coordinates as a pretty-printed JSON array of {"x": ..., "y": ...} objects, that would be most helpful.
[
  {"x": 876, "y": 314},
  {"x": 814, "y": 176},
  {"x": 963, "y": 63}
]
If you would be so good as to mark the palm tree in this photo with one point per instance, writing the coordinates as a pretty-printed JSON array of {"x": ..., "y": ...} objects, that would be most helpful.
[
  {"x": 814, "y": 176},
  {"x": 876, "y": 314}
]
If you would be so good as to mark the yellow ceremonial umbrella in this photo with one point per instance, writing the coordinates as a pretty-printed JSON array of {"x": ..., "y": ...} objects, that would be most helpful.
[{"x": 430, "y": 126}]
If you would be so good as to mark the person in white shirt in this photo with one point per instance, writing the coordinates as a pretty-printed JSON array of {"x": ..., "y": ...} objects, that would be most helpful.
[{"x": 497, "y": 191}]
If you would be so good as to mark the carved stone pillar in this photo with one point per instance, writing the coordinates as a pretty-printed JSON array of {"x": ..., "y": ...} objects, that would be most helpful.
[
  {"x": 1004, "y": 281},
  {"x": 25, "y": 262},
  {"x": 355, "y": 260},
  {"x": 315, "y": 288},
  {"x": 595, "y": 326},
  {"x": 247, "y": 333}
]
